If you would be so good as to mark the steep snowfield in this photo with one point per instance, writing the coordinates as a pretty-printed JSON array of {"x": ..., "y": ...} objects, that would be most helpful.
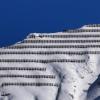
[{"x": 55, "y": 66}]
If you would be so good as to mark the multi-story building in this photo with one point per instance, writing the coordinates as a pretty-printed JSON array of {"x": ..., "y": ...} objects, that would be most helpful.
[{"x": 53, "y": 66}]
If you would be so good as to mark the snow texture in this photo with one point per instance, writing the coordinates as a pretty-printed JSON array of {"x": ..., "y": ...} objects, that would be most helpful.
[{"x": 56, "y": 66}]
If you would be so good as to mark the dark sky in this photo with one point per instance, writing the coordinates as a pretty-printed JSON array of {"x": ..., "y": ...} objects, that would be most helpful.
[{"x": 20, "y": 17}]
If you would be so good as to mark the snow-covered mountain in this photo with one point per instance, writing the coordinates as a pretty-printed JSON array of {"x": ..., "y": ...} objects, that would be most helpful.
[{"x": 56, "y": 66}]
